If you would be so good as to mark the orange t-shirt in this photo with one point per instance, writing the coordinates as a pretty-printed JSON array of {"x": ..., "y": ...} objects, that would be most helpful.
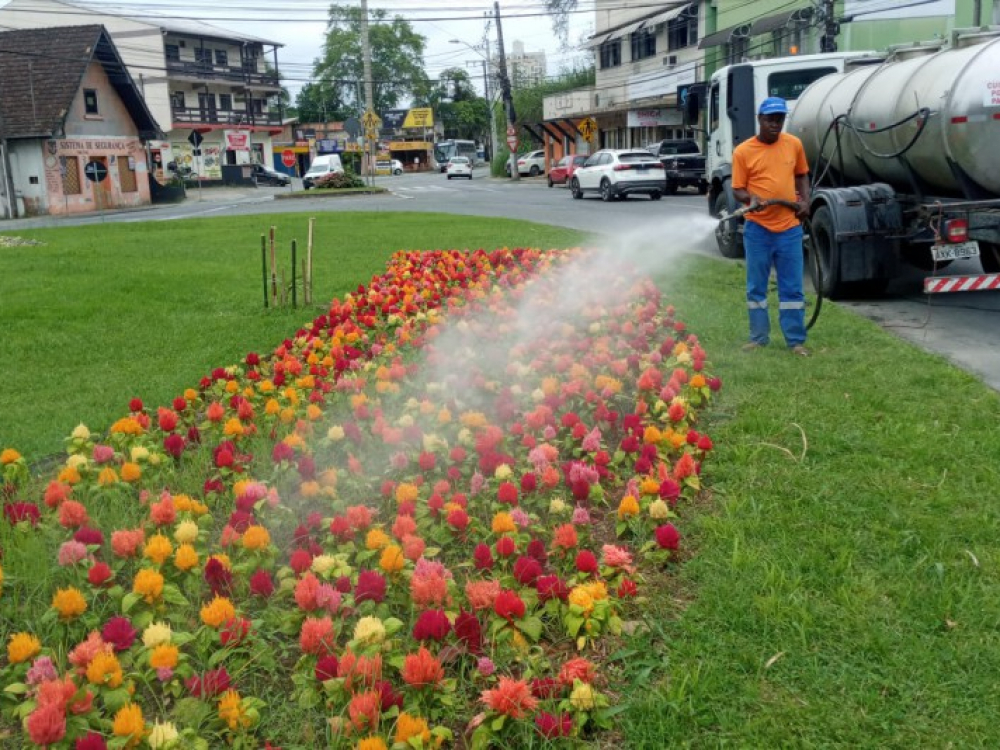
[{"x": 768, "y": 170}]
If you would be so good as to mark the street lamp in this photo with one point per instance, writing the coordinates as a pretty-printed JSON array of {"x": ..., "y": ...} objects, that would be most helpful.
[{"x": 486, "y": 89}]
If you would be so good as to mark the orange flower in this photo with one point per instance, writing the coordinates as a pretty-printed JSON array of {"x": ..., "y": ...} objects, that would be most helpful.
[
  {"x": 108, "y": 476},
  {"x": 231, "y": 710},
  {"x": 629, "y": 506},
  {"x": 372, "y": 743},
  {"x": 9, "y": 456},
  {"x": 317, "y": 636},
  {"x": 131, "y": 472},
  {"x": 148, "y": 583},
  {"x": 158, "y": 549},
  {"x": 406, "y": 493},
  {"x": 104, "y": 669},
  {"x": 186, "y": 557},
  {"x": 69, "y": 602},
  {"x": 69, "y": 475},
  {"x": 129, "y": 723},
  {"x": 511, "y": 698},
  {"x": 685, "y": 467},
  {"x": 422, "y": 669},
  {"x": 649, "y": 486},
  {"x": 256, "y": 537},
  {"x": 164, "y": 656},
  {"x": 392, "y": 560},
  {"x": 364, "y": 710},
  {"x": 564, "y": 537},
  {"x": 377, "y": 539},
  {"x": 503, "y": 523},
  {"x": 21, "y": 647},
  {"x": 217, "y": 612},
  {"x": 412, "y": 726}
]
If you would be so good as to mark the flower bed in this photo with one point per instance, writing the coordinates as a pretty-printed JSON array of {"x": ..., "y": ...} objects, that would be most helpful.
[{"x": 416, "y": 517}]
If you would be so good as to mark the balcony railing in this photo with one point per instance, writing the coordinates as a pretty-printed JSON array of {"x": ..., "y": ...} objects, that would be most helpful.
[
  {"x": 207, "y": 115},
  {"x": 247, "y": 74}
]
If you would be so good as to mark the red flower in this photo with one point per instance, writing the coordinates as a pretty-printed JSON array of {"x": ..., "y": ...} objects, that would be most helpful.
[
  {"x": 167, "y": 419},
  {"x": 371, "y": 587},
  {"x": 87, "y": 535},
  {"x": 508, "y": 605},
  {"x": 550, "y": 726},
  {"x": 135, "y": 405},
  {"x": 433, "y": 624},
  {"x": 234, "y": 630},
  {"x": 670, "y": 490},
  {"x": 527, "y": 570},
  {"x": 427, "y": 461},
  {"x": 458, "y": 519},
  {"x": 261, "y": 584},
  {"x": 544, "y": 688},
  {"x": 218, "y": 578},
  {"x": 282, "y": 452},
  {"x": 551, "y": 587},
  {"x": 300, "y": 561},
  {"x": 422, "y": 669},
  {"x": 326, "y": 668},
  {"x": 627, "y": 589},
  {"x": 586, "y": 562},
  {"x": 667, "y": 536},
  {"x": 17, "y": 512},
  {"x": 173, "y": 444},
  {"x": 118, "y": 631},
  {"x": 388, "y": 697},
  {"x": 213, "y": 682},
  {"x": 506, "y": 546},
  {"x": 507, "y": 493},
  {"x": 536, "y": 549},
  {"x": 705, "y": 443},
  {"x": 340, "y": 528},
  {"x": 91, "y": 741},
  {"x": 99, "y": 574},
  {"x": 469, "y": 631}
]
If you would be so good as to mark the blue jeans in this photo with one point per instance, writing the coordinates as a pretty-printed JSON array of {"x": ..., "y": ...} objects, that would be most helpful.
[{"x": 782, "y": 251}]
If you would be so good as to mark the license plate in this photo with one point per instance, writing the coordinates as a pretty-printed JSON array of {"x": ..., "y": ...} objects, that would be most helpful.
[{"x": 957, "y": 251}]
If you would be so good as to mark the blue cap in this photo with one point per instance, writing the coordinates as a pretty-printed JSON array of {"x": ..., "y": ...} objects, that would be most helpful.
[{"x": 773, "y": 105}]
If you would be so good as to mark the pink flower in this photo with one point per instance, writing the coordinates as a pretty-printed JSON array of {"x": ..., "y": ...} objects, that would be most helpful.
[
  {"x": 581, "y": 517},
  {"x": 42, "y": 670},
  {"x": 616, "y": 557},
  {"x": 592, "y": 442},
  {"x": 118, "y": 631},
  {"x": 103, "y": 453},
  {"x": 668, "y": 537},
  {"x": 485, "y": 666},
  {"x": 126, "y": 542},
  {"x": 550, "y": 726},
  {"x": 70, "y": 553}
]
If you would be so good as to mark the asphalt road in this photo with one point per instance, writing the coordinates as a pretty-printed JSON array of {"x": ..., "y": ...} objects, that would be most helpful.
[{"x": 963, "y": 327}]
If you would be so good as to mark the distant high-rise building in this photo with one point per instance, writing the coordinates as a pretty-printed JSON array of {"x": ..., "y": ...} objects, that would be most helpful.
[{"x": 523, "y": 68}]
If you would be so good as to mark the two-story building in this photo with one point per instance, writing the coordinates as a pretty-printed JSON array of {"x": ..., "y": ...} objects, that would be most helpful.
[{"x": 205, "y": 85}]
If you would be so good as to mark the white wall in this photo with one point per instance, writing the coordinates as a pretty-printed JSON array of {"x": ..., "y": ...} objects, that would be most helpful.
[{"x": 27, "y": 164}]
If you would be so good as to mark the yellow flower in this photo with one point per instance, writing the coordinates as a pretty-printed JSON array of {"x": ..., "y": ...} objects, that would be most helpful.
[
  {"x": 369, "y": 631},
  {"x": 407, "y": 493},
  {"x": 161, "y": 734},
  {"x": 335, "y": 434},
  {"x": 9, "y": 456},
  {"x": 21, "y": 647},
  {"x": 323, "y": 563},
  {"x": 658, "y": 510},
  {"x": 69, "y": 603},
  {"x": 503, "y": 472},
  {"x": 148, "y": 583},
  {"x": 256, "y": 537},
  {"x": 164, "y": 656},
  {"x": 108, "y": 476},
  {"x": 129, "y": 723},
  {"x": 412, "y": 726},
  {"x": 215, "y": 613},
  {"x": 598, "y": 590},
  {"x": 557, "y": 506},
  {"x": 582, "y": 697},
  {"x": 104, "y": 669},
  {"x": 80, "y": 432},
  {"x": 131, "y": 472},
  {"x": 581, "y": 598},
  {"x": 503, "y": 523},
  {"x": 186, "y": 531},
  {"x": 377, "y": 539},
  {"x": 76, "y": 461},
  {"x": 392, "y": 559},
  {"x": 155, "y": 634},
  {"x": 158, "y": 549},
  {"x": 231, "y": 710},
  {"x": 186, "y": 557},
  {"x": 629, "y": 506}
]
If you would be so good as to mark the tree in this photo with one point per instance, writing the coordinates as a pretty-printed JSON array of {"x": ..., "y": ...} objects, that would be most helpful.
[
  {"x": 461, "y": 111},
  {"x": 318, "y": 102},
  {"x": 397, "y": 61},
  {"x": 560, "y": 10}
]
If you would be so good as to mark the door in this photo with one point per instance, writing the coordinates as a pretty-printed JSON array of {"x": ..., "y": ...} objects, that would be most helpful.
[
  {"x": 206, "y": 107},
  {"x": 103, "y": 192},
  {"x": 716, "y": 125}
]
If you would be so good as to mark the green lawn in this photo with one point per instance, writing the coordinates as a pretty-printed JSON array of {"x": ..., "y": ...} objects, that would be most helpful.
[
  {"x": 840, "y": 581},
  {"x": 101, "y": 314}
]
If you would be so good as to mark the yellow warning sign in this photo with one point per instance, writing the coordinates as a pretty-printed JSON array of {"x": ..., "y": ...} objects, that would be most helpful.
[
  {"x": 588, "y": 128},
  {"x": 370, "y": 120}
]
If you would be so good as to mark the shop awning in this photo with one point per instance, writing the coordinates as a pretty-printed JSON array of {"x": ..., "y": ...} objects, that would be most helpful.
[
  {"x": 595, "y": 41},
  {"x": 410, "y": 146},
  {"x": 666, "y": 16},
  {"x": 628, "y": 29},
  {"x": 771, "y": 23},
  {"x": 724, "y": 36}
]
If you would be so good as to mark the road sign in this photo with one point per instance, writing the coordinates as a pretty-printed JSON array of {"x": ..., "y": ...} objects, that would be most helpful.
[
  {"x": 96, "y": 171},
  {"x": 370, "y": 120},
  {"x": 588, "y": 128},
  {"x": 511, "y": 130},
  {"x": 512, "y": 142},
  {"x": 353, "y": 126},
  {"x": 195, "y": 138},
  {"x": 371, "y": 134},
  {"x": 288, "y": 158}
]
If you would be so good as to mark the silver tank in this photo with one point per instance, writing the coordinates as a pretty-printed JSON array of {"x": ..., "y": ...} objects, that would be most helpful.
[{"x": 960, "y": 84}]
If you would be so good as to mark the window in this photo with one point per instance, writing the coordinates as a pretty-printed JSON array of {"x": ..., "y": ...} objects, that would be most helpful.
[
  {"x": 683, "y": 30},
  {"x": 611, "y": 54},
  {"x": 173, "y": 52},
  {"x": 221, "y": 57},
  {"x": 90, "y": 102},
  {"x": 789, "y": 40},
  {"x": 226, "y": 102},
  {"x": 177, "y": 100},
  {"x": 713, "y": 109},
  {"x": 126, "y": 175},
  {"x": 643, "y": 44},
  {"x": 790, "y": 84},
  {"x": 71, "y": 175},
  {"x": 737, "y": 49},
  {"x": 203, "y": 55}
]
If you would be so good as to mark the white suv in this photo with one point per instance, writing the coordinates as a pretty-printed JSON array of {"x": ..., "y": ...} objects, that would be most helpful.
[{"x": 616, "y": 174}]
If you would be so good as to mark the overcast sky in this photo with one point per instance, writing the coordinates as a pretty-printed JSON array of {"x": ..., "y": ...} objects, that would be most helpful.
[{"x": 299, "y": 25}]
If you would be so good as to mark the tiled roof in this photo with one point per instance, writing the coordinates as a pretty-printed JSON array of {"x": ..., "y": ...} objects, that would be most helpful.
[{"x": 40, "y": 74}]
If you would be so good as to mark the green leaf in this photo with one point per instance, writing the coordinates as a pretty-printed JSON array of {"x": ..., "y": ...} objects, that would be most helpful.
[
  {"x": 172, "y": 595},
  {"x": 573, "y": 624},
  {"x": 392, "y": 625},
  {"x": 17, "y": 688},
  {"x": 531, "y": 627},
  {"x": 129, "y": 601},
  {"x": 497, "y": 724}
]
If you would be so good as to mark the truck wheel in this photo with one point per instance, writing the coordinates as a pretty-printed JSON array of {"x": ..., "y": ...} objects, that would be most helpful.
[
  {"x": 574, "y": 189},
  {"x": 989, "y": 256},
  {"x": 824, "y": 244},
  {"x": 671, "y": 187},
  {"x": 727, "y": 235},
  {"x": 607, "y": 194},
  {"x": 655, "y": 195}
]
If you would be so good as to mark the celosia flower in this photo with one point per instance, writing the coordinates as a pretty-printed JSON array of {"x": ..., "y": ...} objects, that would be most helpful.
[
  {"x": 526, "y": 570},
  {"x": 582, "y": 697},
  {"x": 47, "y": 724},
  {"x": 481, "y": 594},
  {"x": 564, "y": 537},
  {"x": 161, "y": 734},
  {"x": 231, "y": 711},
  {"x": 628, "y": 507},
  {"x": 126, "y": 542},
  {"x": 667, "y": 536},
  {"x": 256, "y": 538},
  {"x": 485, "y": 666},
  {"x": 186, "y": 532},
  {"x": 359, "y": 670},
  {"x": 508, "y": 605},
  {"x": 577, "y": 669},
  {"x": 392, "y": 560},
  {"x": 212, "y": 683},
  {"x": 155, "y": 634},
  {"x": 326, "y": 668},
  {"x": 83, "y": 654},
  {"x": 505, "y": 546},
  {"x": 510, "y": 698},
  {"x": 186, "y": 557},
  {"x": 42, "y": 670},
  {"x": 422, "y": 669},
  {"x": 369, "y": 631},
  {"x": 364, "y": 710},
  {"x": 469, "y": 631},
  {"x": 70, "y": 553},
  {"x": 482, "y": 557},
  {"x": 586, "y": 562},
  {"x": 261, "y": 584},
  {"x": 317, "y": 636},
  {"x": 164, "y": 656},
  {"x": 372, "y": 743},
  {"x": 432, "y": 624},
  {"x": 130, "y": 724},
  {"x": 408, "y": 727},
  {"x": 218, "y": 577},
  {"x": 90, "y": 741},
  {"x": 118, "y": 631},
  {"x": 69, "y": 603},
  {"x": 99, "y": 574},
  {"x": 370, "y": 587},
  {"x": 73, "y": 515},
  {"x": 552, "y": 726},
  {"x": 104, "y": 669},
  {"x": 551, "y": 587},
  {"x": 217, "y": 612}
]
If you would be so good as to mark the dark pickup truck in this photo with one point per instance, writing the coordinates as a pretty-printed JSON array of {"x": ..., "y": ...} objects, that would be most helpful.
[{"x": 683, "y": 162}]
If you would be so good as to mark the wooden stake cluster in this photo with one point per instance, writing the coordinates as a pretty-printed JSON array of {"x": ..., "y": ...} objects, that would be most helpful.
[{"x": 280, "y": 293}]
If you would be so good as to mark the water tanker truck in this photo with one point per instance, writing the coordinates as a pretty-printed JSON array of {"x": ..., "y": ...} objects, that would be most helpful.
[{"x": 904, "y": 154}]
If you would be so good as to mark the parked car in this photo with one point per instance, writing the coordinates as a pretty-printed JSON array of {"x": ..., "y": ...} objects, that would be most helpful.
[
  {"x": 617, "y": 173},
  {"x": 561, "y": 172},
  {"x": 322, "y": 168},
  {"x": 683, "y": 164},
  {"x": 397, "y": 167},
  {"x": 530, "y": 164},
  {"x": 266, "y": 176},
  {"x": 459, "y": 166}
]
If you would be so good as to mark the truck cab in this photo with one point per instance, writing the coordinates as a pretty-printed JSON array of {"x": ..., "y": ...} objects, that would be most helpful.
[{"x": 733, "y": 95}]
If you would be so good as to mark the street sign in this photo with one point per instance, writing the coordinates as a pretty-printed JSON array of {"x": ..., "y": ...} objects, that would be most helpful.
[
  {"x": 371, "y": 134},
  {"x": 511, "y": 130},
  {"x": 370, "y": 120},
  {"x": 96, "y": 171},
  {"x": 353, "y": 126},
  {"x": 195, "y": 138},
  {"x": 288, "y": 158},
  {"x": 588, "y": 128},
  {"x": 512, "y": 142}
]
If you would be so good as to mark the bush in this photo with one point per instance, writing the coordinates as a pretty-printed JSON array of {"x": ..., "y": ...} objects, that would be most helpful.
[{"x": 340, "y": 181}]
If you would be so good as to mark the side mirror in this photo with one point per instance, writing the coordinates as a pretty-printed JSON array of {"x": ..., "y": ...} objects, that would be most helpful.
[{"x": 692, "y": 106}]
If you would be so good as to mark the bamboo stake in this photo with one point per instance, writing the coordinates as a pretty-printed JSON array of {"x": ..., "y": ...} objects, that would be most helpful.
[
  {"x": 263, "y": 266},
  {"x": 274, "y": 277},
  {"x": 308, "y": 275},
  {"x": 294, "y": 270}
]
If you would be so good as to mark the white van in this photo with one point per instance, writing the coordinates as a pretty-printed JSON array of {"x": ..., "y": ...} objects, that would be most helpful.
[{"x": 321, "y": 168}]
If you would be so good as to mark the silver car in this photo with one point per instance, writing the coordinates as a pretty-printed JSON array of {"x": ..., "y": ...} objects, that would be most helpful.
[{"x": 614, "y": 174}]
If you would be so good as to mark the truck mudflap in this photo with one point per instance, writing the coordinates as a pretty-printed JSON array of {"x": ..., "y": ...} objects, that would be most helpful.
[
  {"x": 976, "y": 283},
  {"x": 862, "y": 222}
]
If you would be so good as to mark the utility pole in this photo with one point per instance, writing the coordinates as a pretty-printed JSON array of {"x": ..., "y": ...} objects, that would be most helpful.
[
  {"x": 977, "y": 12},
  {"x": 505, "y": 88},
  {"x": 828, "y": 42},
  {"x": 366, "y": 54},
  {"x": 490, "y": 93}
]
